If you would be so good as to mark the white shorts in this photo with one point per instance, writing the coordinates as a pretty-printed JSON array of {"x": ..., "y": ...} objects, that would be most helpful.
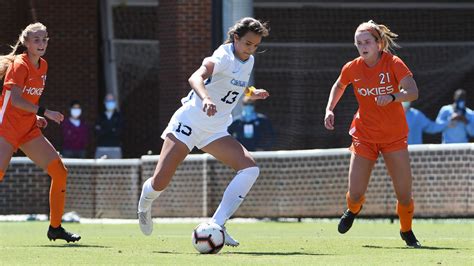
[{"x": 189, "y": 134}]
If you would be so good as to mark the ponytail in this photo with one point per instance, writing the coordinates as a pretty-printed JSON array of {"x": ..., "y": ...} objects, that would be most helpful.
[
  {"x": 381, "y": 34},
  {"x": 7, "y": 60}
]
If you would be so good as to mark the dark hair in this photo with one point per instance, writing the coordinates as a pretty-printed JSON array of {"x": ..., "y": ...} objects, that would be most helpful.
[
  {"x": 245, "y": 25},
  {"x": 459, "y": 93},
  {"x": 74, "y": 102}
]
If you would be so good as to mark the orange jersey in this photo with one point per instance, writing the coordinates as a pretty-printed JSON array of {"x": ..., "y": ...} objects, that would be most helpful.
[
  {"x": 24, "y": 74},
  {"x": 373, "y": 123}
]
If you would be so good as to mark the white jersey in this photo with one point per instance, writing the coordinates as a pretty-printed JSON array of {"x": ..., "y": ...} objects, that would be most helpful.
[{"x": 225, "y": 87}]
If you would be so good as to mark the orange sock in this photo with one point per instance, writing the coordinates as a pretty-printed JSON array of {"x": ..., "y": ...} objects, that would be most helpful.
[
  {"x": 1, "y": 176},
  {"x": 405, "y": 213},
  {"x": 57, "y": 192},
  {"x": 354, "y": 207}
]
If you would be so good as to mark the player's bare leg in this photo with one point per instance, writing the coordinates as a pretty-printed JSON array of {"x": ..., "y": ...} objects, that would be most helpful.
[
  {"x": 6, "y": 153},
  {"x": 43, "y": 154},
  {"x": 359, "y": 175},
  {"x": 173, "y": 152}
]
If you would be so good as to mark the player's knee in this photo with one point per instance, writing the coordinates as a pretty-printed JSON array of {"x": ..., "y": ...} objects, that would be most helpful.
[{"x": 160, "y": 182}]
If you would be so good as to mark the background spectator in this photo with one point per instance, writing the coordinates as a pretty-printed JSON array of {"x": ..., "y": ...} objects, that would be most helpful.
[
  {"x": 75, "y": 133},
  {"x": 460, "y": 118},
  {"x": 108, "y": 130},
  {"x": 418, "y": 124},
  {"x": 254, "y": 130}
]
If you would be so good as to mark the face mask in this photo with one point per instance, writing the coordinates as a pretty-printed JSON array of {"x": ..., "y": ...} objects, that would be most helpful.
[
  {"x": 76, "y": 112},
  {"x": 110, "y": 105},
  {"x": 406, "y": 105},
  {"x": 460, "y": 104}
]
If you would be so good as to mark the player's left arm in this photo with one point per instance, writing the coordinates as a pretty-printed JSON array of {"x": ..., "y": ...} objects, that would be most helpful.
[
  {"x": 408, "y": 92},
  {"x": 407, "y": 85},
  {"x": 256, "y": 94}
]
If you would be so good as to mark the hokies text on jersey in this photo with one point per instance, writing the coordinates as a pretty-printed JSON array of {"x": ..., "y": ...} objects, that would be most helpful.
[
  {"x": 375, "y": 91},
  {"x": 33, "y": 91},
  {"x": 381, "y": 90}
]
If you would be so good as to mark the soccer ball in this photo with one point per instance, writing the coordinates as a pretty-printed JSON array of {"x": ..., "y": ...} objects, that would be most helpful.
[{"x": 208, "y": 238}]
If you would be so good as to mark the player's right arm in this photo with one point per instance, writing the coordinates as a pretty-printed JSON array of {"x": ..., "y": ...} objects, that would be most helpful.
[
  {"x": 197, "y": 84},
  {"x": 335, "y": 95},
  {"x": 19, "y": 102}
]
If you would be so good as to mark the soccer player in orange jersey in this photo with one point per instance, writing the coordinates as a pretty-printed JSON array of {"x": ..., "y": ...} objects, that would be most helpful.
[
  {"x": 21, "y": 119},
  {"x": 381, "y": 81}
]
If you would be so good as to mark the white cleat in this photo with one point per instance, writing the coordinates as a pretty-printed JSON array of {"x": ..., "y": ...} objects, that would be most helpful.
[
  {"x": 228, "y": 240},
  {"x": 146, "y": 223}
]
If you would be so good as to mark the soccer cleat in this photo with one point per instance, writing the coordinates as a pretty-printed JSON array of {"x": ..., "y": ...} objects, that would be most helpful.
[
  {"x": 228, "y": 240},
  {"x": 61, "y": 233},
  {"x": 346, "y": 221},
  {"x": 410, "y": 239},
  {"x": 146, "y": 223}
]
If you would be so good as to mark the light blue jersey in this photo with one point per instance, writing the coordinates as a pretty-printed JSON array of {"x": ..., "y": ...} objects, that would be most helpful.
[
  {"x": 419, "y": 123},
  {"x": 456, "y": 131}
]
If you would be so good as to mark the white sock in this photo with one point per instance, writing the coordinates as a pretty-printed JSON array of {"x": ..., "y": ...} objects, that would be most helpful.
[
  {"x": 234, "y": 194},
  {"x": 147, "y": 197}
]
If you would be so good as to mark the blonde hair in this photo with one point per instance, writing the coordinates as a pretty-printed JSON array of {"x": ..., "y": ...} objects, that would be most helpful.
[
  {"x": 381, "y": 33},
  {"x": 245, "y": 25},
  {"x": 7, "y": 60}
]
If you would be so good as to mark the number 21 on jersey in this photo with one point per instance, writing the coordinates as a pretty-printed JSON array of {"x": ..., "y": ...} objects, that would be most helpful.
[{"x": 384, "y": 78}]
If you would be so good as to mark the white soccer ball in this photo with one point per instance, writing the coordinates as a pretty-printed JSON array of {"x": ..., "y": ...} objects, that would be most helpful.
[{"x": 208, "y": 238}]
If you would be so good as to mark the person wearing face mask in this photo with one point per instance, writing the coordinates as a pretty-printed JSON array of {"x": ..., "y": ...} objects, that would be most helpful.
[
  {"x": 108, "y": 131},
  {"x": 75, "y": 133},
  {"x": 418, "y": 124},
  {"x": 254, "y": 130},
  {"x": 460, "y": 120}
]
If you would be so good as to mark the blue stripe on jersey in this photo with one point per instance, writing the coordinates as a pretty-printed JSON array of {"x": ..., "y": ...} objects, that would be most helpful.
[
  {"x": 208, "y": 80},
  {"x": 189, "y": 98}
]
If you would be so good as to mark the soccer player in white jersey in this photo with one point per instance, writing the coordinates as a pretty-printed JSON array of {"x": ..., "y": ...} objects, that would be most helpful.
[{"x": 203, "y": 119}]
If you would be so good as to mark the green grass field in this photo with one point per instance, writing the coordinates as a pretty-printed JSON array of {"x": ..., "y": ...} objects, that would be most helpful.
[{"x": 263, "y": 243}]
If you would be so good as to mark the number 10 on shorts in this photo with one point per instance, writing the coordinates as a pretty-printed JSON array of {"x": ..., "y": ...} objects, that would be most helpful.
[{"x": 185, "y": 130}]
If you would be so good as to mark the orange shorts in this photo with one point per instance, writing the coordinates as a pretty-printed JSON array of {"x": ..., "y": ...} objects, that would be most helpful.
[
  {"x": 371, "y": 151},
  {"x": 19, "y": 135}
]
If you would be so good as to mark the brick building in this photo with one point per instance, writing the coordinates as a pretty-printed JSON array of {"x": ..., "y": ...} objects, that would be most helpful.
[{"x": 159, "y": 45}]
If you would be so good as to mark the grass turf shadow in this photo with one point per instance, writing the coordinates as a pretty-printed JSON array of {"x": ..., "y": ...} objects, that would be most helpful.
[
  {"x": 422, "y": 247},
  {"x": 70, "y": 246}
]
